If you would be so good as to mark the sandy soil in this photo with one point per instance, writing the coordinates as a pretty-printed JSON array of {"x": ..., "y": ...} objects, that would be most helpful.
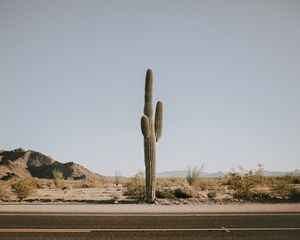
[{"x": 78, "y": 194}]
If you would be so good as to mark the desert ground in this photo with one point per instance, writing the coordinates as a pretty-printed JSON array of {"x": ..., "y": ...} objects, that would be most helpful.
[{"x": 169, "y": 191}]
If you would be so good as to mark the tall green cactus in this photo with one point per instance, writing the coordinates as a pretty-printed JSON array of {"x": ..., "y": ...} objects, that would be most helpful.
[{"x": 152, "y": 131}]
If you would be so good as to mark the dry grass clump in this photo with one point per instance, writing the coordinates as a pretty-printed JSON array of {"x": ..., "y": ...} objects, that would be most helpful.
[
  {"x": 58, "y": 177},
  {"x": 44, "y": 183},
  {"x": 193, "y": 175},
  {"x": 24, "y": 187},
  {"x": 172, "y": 193},
  {"x": 88, "y": 183},
  {"x": 135, "y": 189},
  {"x": 171, "y": 182},
  {"x": 5, "y": 191}
]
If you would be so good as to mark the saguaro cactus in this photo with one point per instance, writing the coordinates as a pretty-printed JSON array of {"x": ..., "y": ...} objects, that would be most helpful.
[{"x": 152, "y": 131}]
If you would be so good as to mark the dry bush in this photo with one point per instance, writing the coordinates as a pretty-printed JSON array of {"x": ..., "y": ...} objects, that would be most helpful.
[
  {"x": 44, "y": 183},
  {"x": 202, "y": 184},
  {"x": 171, "y": 182},
  {"x": 244, "y": 185},
  {"x": 58, "y": 177},
  {"x": 177, "y": 181},
  {"x": 165, "y": 193},
  {"x": 88, "y": 183},
  {"x": 4, "y": 191},
  {"x": 135, "y": 189},
  {"x": 283, "y": 189},
  {"x": 253, "y": 186},
  {"x": 183, "y": 193},
  {"x": 294, "y": 195},
  {"x": 24, "y": 187},
  {"x": 212, "y": 194},
  {"x": 207, "y": 183},
  {"x": 289, "y": 179}
]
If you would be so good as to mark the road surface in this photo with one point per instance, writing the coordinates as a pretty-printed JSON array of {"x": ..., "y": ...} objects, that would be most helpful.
[{"x": 189, "y": 226}]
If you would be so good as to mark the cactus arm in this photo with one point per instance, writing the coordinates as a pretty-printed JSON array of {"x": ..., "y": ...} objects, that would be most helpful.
[
  {"x": 158, "y": 120},
  {"x": 145, "y": 126},
  {"x": 148, "y": 109}
]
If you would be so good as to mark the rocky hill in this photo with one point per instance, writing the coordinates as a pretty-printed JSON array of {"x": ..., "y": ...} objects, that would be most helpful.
[{"x": 21, "y": 163}]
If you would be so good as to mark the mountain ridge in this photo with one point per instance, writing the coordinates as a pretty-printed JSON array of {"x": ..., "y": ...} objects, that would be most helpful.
[{"x": 28, "y": 163}]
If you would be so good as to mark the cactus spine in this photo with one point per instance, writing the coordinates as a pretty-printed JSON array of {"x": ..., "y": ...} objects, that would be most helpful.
[{"x": 152, "y": 131}]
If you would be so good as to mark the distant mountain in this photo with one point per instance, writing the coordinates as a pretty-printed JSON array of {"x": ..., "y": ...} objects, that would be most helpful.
[
  {"x": 21, "y": 163},
  {"x": 183, "y": 173},
  {"x": 278, "y": 174}
]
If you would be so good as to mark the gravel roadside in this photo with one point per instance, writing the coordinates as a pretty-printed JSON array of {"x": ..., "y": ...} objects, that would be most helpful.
[{"x": 148, "y": 208}]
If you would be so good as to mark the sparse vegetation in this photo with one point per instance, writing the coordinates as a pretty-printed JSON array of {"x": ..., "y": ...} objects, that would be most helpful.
[
  {"x": 24, "y": 187},
  {"x": 58, "y": 178},
  {"x": 193, "y": 175},
  {"x": 183, "y": 193},
  {"x": 136, "y": 187},
  {"x": 237, "y": 185},
  {"x": 212, "y": 194},
  {"x": 244, "y": 184},
  {"x": 294, "y": 195},
  {"x": 118, "y": 176},
  {"x": 165, "y": 193},
  {"x": 4, "y": 191}
]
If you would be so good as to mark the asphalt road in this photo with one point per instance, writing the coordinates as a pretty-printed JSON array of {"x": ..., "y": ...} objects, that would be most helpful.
[{"x": 149, "y": 226}]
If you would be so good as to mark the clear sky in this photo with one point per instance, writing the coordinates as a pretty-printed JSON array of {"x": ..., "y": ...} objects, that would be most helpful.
[{"x": 72, "y": 81}]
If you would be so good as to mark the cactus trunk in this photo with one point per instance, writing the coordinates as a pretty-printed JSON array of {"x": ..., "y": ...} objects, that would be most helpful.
[{"x": 152, "y": 131}]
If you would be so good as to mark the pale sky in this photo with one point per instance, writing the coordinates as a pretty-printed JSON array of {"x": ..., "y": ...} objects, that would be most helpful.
[{"x": 72, "y": 81}]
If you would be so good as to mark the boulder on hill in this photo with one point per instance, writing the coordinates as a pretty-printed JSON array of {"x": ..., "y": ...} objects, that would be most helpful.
[{"x": 27, "y": 163}]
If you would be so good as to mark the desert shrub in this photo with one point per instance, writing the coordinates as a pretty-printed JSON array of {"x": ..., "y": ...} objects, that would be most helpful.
[
  {"x": 294, "y": 195},
  {"x": 24, "y": 187},
  {"x": 193, "y": 175},
  {"x": 281, "y": 188},
  {"x": 183, "y": 193},
  {"x": 162, "y": 182},
  {"x": 170, "y": 182},
  {"x": 244, "y": 184},
  {"x": 164, "y": 193},
  {"x": 203, "y": 184},
  {"x": 44, "y": 183},
  {"x": 212, "y": 194},
  {"x": 177, "y": 181},
  {"x": 88, "y": 183},
  {"x": 285, "y": 191},
  {"x": 261, "y": 195},
  {"x": 135, "y": 189},
  {"x": 4, "y": 191},
  {"x": 58, "y": 178},
  {"x": 296, "y": 180},
  {"x": 290, "y": 179}
]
